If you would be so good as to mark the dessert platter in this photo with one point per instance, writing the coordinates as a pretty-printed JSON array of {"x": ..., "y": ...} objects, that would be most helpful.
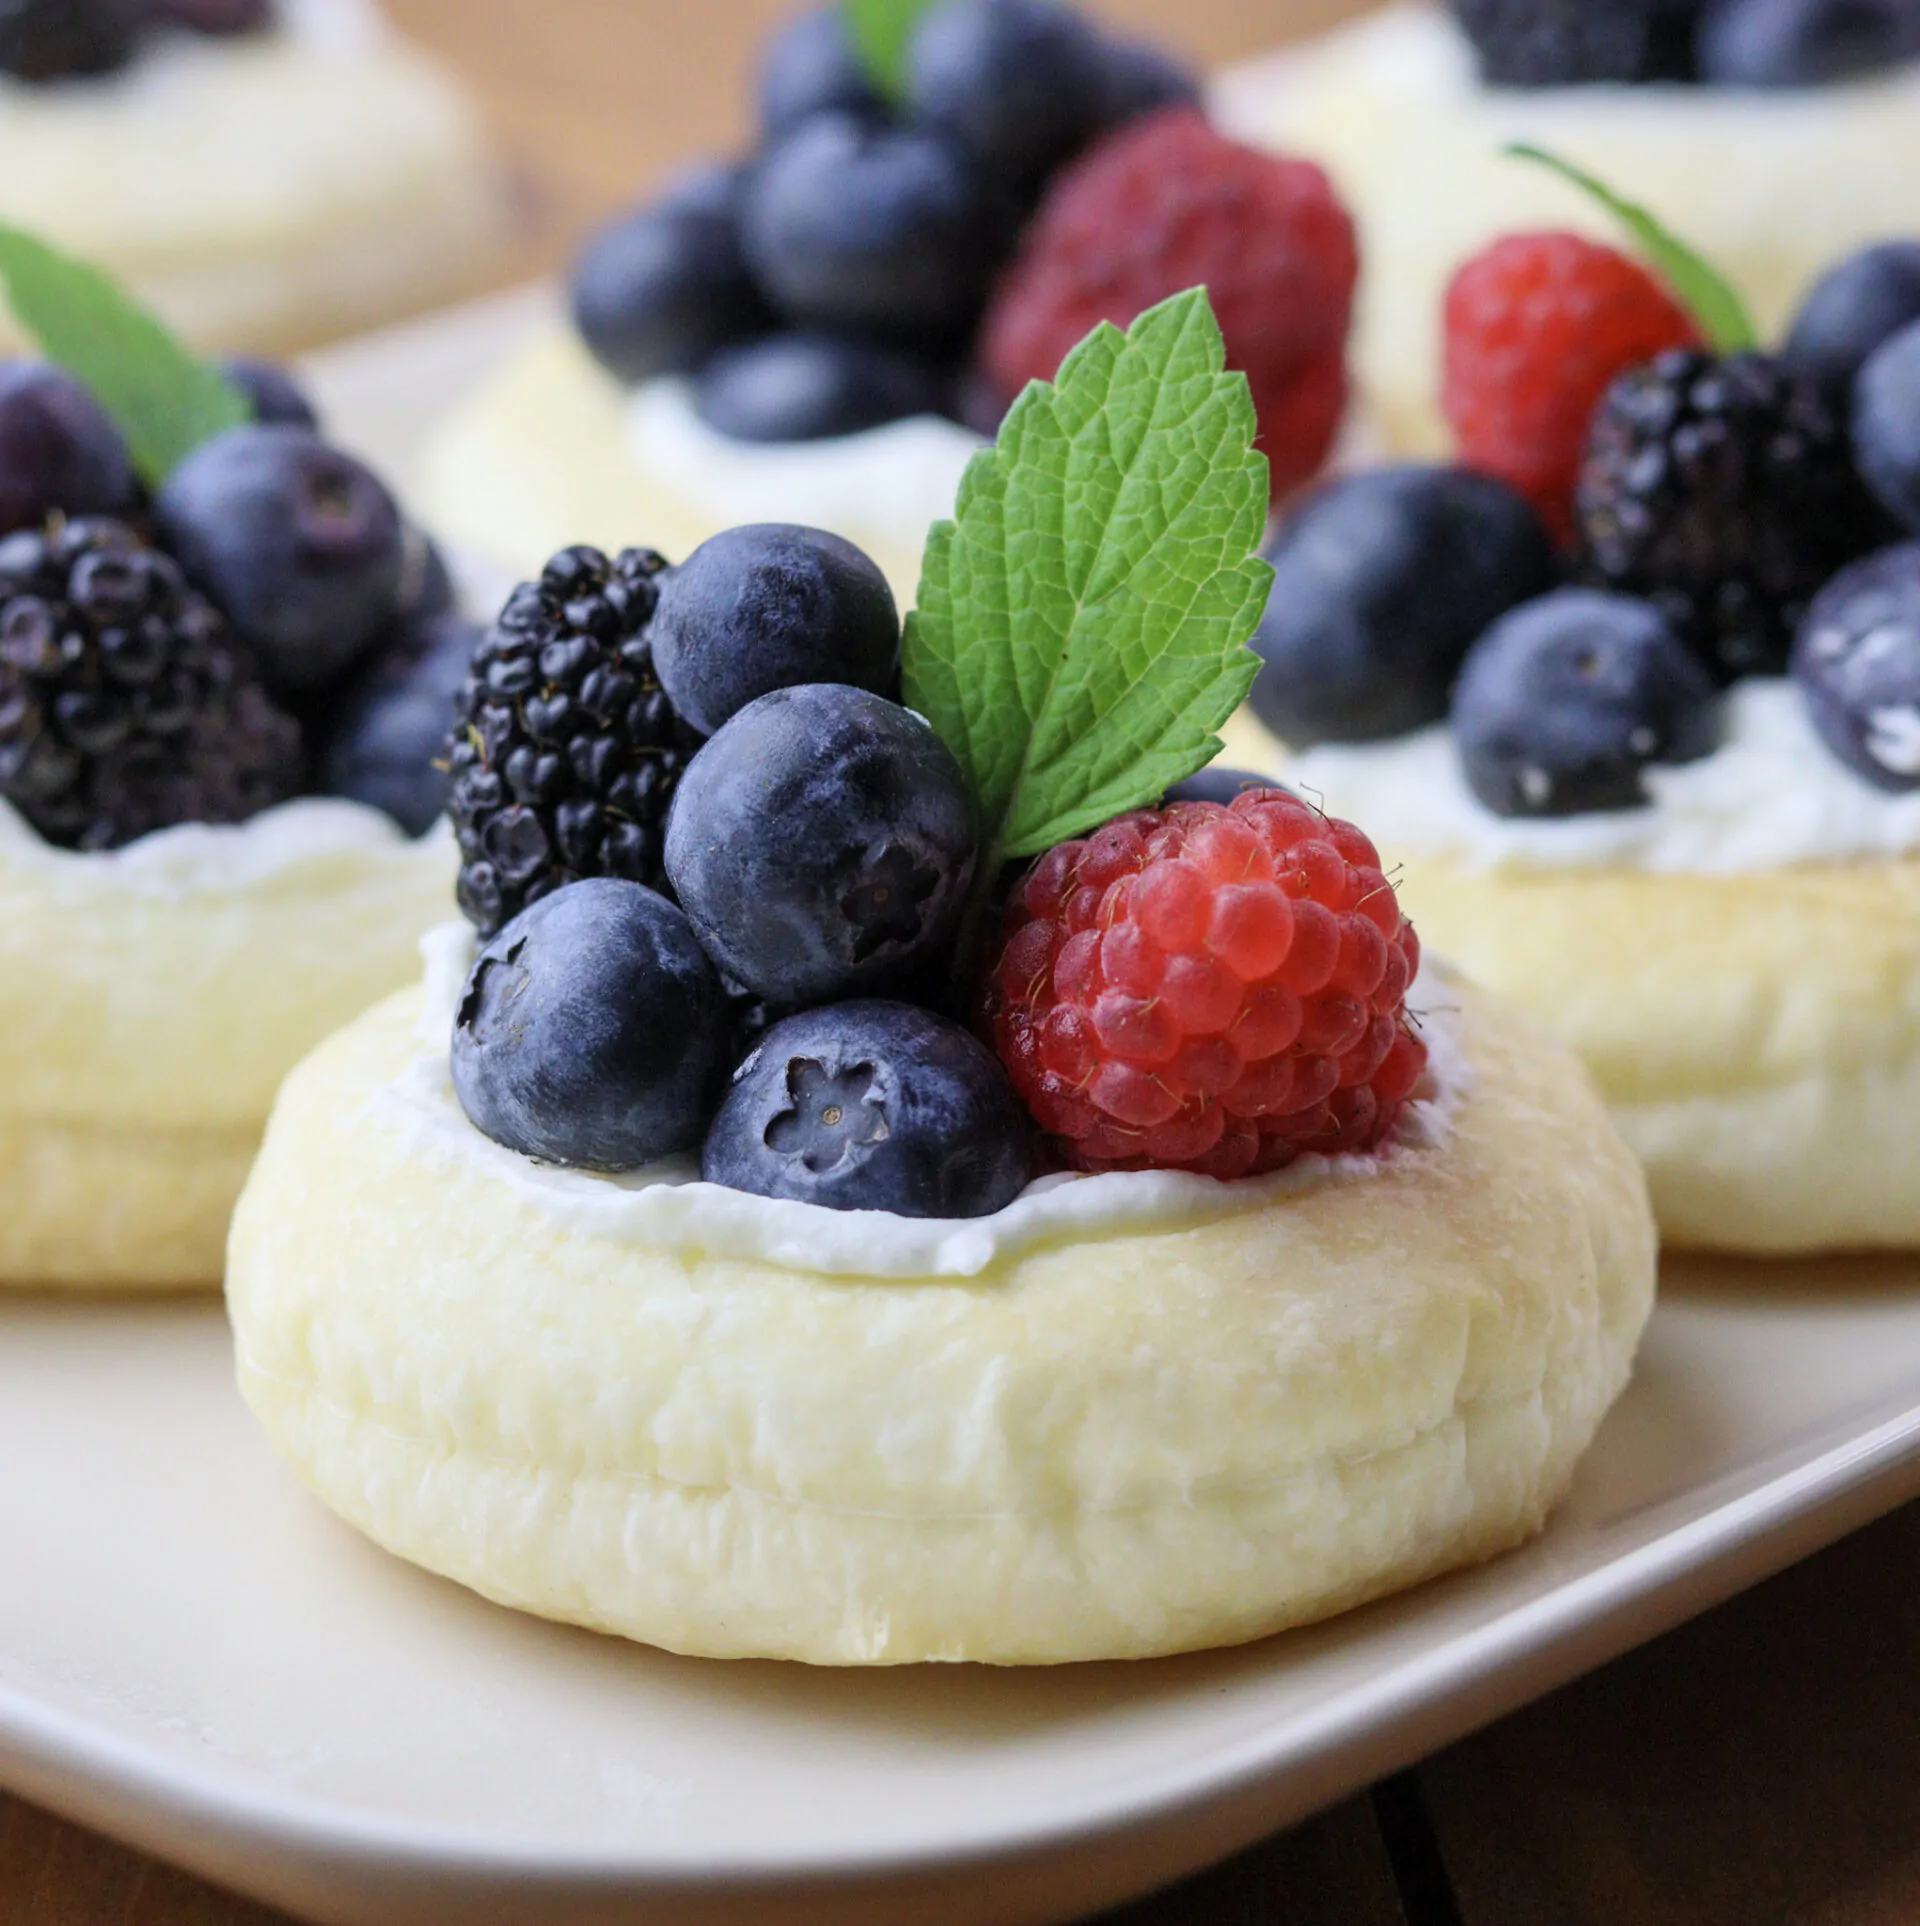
[
  {"x": 266, "y": 173},
  {"x": 899, "y": 1157},
  {"x": 225, "y": 665}
]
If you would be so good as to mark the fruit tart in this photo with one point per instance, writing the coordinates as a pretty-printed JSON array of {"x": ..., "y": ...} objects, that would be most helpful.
[
  {"x": 1776, "y": 133},
  {"x": 266, "y": 173},
  {"x": 225, "y": 664},
  {"x": 1668, "y": 796},
  {"x": 938, "y": 1200},
  {"x": 824, "y": 332}
]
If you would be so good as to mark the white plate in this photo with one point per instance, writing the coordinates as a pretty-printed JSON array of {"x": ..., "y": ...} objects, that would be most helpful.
[{"x": 193, "y": 1655}]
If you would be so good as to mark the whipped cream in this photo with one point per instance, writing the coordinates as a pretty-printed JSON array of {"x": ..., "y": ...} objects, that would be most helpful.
[
  {"x": 1770, "y": 795},
  {"x": 668, "y": 1206},
  {"x": 882, "y": 487},
  {"x": 216, "y": 859}
]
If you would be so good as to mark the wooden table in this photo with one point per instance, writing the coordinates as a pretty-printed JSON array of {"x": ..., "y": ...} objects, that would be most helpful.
[{"x": 1760, "y": 1767}]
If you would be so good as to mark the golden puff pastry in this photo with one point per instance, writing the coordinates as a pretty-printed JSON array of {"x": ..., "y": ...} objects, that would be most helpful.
[
  {"x": 160, "y": 993},
  {"x": 1169, "y": 1437}
]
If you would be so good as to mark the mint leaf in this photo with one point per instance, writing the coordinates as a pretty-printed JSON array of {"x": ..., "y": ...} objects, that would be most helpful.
[
  {"x": 880, "y": 31},
  {"x": 163, "y": 399},
  {"x": 1082, "y": 622},
  {"x": 1711, "y": 298}
]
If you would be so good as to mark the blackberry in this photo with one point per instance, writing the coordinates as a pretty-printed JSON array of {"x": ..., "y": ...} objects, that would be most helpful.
[
  {"x": 565, "y": 749},
  {"x": 1722, "y": 488},
  {"x": 126, "y": 703},
  {"x": 1558, "y": 43},
  {"x": 59, "y": 39}
]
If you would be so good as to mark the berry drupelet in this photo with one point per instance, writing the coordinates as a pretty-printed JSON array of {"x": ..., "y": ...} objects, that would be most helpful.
[
  {"x": 565, "y": 750},
  {"x": 1723, "y": 489},
  {"x": 126, "y": 703},
  {"x": 1211, "y": 989}
]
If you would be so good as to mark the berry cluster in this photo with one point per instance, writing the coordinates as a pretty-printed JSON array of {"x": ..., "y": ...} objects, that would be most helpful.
[
  {"x": 787, "y": 903},
  {"x": 44, "y": 40},
  {"x": 1209, "y": 988},
  {"x": 198, "y": 654},
  {"x": 882, "y": 258},
  {"x": 1737, "y": 43},
  {"x": 1729, "y": 514}
]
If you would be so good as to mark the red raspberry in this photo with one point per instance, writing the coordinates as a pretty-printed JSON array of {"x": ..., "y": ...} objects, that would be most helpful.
[
  {"x": 1208, "y": 987},
  {"x": 1537, "y": 327},
  {"x": 1169, "y": 204}
]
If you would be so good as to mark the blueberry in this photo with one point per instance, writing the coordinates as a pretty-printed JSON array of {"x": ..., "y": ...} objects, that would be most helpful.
[
  {"x": 1141, "y": 79},
  {"x": 1857, "y": 661},
  {"x": 659, "y": 289},
  {"x": 1852, "y": 309},
  {"x": 873, "y": 1106},
  {"x": 383, "y": 739},
  {"x": 61, "y": 39},
  {"x": 271, "y": 392},
  {"x": 871, "y": 229},
  {"x": 298, "y": 542},
  {"x": 1219, "y": 784},
  {"x": 592, "y": 1031},
  {"x": 1804, "y": 43},
  {"x": 770, "y": 606},
  {"x": 1886, "y": 425},
  {"x": 1564, "y": 701},
  {"x": 1019, "y": 84},
  {"x": 58, "y": 449},
  {"x": 805, "y": 387},
  {"x": 822, "y": 842},
  {"x": 809, "y": 67},
  {"x": 426, "y": 582},
  {"x": 1381, "y": 584},
  {"x": 218, "y": 16}
]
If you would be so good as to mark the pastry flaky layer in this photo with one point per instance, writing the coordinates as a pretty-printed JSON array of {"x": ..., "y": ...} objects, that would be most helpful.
[
  {"x": 1757, "y": 1035},
  {"x": 1109, "y": 1448},
  {"x": 155, "y": 1008}
]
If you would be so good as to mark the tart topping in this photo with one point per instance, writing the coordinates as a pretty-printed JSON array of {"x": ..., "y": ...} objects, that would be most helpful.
[
  {"x": 1537, "y": 327},
  {"x": 59, "y": 449},
  {"x": 1210, "y": 989},
  {"x": 873, "y": 1106},
  {"x": 126, "y": 702},
  {"x": 1886, "y": 425},
  {"x": 1560, "y": 43},
  {"x": 1805, "y": 43},
  {"x": 1171, "y": 204},
  {"x": 1852, "y": 309},
  {"x": 1857, "y": 661},
  {"x": 66, "y": 39},
  {"x": 1565, "y": 701}
]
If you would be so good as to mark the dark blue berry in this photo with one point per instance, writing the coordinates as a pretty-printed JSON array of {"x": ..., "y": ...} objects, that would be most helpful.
[
  {"x": 658, "y": 290},
  {"x": 1805, "y": 43},
  {"x": 770, "y": 606},
  {"x": 873, "y": 1106},
  {"x": 271, "y": 392},
  {"x": 822, "y": 842},
  {"x": 1381, "y": 584},
  {"x": 220, "y": 17},
  {"x": 1565, "y": 701},
  {"x": 872, "y": 229},
  {"x": 809, "y": 67},
  {"x": 1852, "y": 309},
  {"x": 1019, "y": 84},
  {"x": 1857, "y": 661},
  {"x": 803, "y": 387},
  {"x": 383, "y": 740},
  {"x": 299, "y": 543},
  {"x": 593, "y": 1031},
  {"x": 63, "y": 39},
  {"x": 1886, "y": 425},
  {"x": 1218, "y": 784},
  {"x": 426, "y": 582},
  {"x": 1138, "y": 79},
  {"x": 58, "y": 449}
]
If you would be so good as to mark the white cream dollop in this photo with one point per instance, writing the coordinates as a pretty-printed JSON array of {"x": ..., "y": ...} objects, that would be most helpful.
[
  {"x": 669, "y": 1206},
  {"x": 1770, "y": 795},
  {"x": 881, "y": 488}
]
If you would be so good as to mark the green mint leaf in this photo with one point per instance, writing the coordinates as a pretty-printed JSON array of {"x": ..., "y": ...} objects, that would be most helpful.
[
  {"x": 1082, "y": 622},
  {"x": 880, "y": 31},
  {"x": 162, "y": 398},
  {"x": 1711, "y": 298}
]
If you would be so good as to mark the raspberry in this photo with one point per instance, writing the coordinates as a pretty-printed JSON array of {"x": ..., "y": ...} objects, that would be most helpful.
[
  {"x": 1168, "y": 204},
  {"x": 1208, "y": 987},
  {"x": 1537, "y": 327}
]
